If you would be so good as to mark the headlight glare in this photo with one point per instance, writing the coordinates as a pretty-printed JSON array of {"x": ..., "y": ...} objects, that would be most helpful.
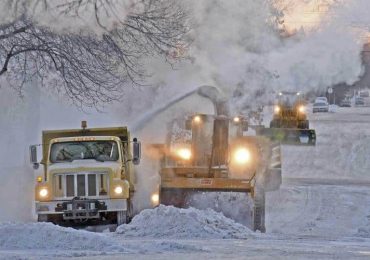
[
  {"x": 155, "y": 198},
  {"x": 118, "y": 190},
  {"x": 197, "y": 119},
  {"x": 43, "y": 192},
  {"x": 277, "y": 109},
  {"x": 184, "y": 153},
  {"x": 242, "y": 156},
  {"x": 302, "y": 109}
]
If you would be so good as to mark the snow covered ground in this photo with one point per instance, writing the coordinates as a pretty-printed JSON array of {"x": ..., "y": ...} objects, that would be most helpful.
[{"x": 322, "y": 211}]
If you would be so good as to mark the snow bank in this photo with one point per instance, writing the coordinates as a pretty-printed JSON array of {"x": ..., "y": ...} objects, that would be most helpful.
[
  {"x": 171, "y": 222},
  {"x": 48, "y": 236},
  {"x": 341, "y": 151},
  {"x": 45, "y": 240}
]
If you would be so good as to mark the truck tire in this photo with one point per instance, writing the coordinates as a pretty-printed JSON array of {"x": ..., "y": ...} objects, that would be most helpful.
[
  {"x": 258, "y": 214},
  {"x": 122, "y": 217}
]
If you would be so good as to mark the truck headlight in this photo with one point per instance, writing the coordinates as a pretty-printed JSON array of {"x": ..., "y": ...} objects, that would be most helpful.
[
  {"x": 197, "y": 119},
  {"x": 155, "y": 198},
  {"x": 118, "y": 190},
  {"x": 43, "y": 192},
  {"x": 242, "y": 156},
  {"x": 276, "y": 109},
  {"x": 184, "y": 153},
  {"x": 302, "y": 109}
]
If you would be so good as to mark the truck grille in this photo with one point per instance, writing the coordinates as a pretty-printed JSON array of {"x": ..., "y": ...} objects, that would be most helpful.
[{"x": 70, "y": 185}]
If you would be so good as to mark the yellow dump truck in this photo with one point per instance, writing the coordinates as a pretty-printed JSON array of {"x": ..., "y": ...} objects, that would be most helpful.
[{"x": 87, "y": 175}]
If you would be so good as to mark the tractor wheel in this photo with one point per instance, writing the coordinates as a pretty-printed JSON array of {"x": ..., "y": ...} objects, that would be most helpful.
[{"x": 258, "y": 213}]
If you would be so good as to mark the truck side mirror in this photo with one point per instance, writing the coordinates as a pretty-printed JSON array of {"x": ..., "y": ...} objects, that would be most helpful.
[
  {"x": 136, "y": 152},
  {"x": 33, "y": 157}
]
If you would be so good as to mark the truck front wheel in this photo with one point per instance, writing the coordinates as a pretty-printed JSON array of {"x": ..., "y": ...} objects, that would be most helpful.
[{"x": 122, "y": 217}]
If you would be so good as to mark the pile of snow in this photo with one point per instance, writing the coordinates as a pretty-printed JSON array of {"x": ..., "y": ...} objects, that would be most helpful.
[
  {"x": 171, "y": 222},
  {"x": 47, "y": 236}
]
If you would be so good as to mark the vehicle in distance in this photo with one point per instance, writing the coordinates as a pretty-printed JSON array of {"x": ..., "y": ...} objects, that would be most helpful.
[
  {"x": 345, "y": 103},
  {"x": 290, "y": 124},
  {"x": 359, "y": 101},
  {"x": 364, "y": 94},
  {"x": 320, "y": 106},
  {"x": 321, "y": 100}
]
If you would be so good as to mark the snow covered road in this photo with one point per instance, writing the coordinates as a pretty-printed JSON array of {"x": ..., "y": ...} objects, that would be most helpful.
[{"x": 322, "y": 211}]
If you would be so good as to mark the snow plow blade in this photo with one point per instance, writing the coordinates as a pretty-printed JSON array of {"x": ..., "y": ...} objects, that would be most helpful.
[{"x": 289, "y": 136}]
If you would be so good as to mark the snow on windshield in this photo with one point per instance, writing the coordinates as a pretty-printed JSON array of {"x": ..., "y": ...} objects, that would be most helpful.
[{"x": 97, "y": 150}]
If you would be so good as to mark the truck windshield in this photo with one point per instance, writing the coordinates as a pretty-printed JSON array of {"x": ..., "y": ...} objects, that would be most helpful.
[{"x": 84, "y": 150}]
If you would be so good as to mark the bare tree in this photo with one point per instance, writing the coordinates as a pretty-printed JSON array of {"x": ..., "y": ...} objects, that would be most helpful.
[{"x": 91, "y": 69}]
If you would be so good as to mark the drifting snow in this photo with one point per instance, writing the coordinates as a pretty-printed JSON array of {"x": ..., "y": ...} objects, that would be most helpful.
[
  {"x": 48, "y": 236},
  {"x": 46, "y": 240},
  {"x": 171, "y": 222}
]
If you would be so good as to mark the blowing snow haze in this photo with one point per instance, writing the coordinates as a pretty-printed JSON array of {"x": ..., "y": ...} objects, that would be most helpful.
[
  {"x": 251, "y": 48},
  {"x": 246, "y": 48}
]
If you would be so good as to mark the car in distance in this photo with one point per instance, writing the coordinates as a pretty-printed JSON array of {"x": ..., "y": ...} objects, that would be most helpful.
[
  {"x": 321, "y": 100},
  {"x": 359, "y": 101},
  {"x": 320, "y": 106},
  {"x": 364, "y": 94},
  {"x": 345, "y": 103}
]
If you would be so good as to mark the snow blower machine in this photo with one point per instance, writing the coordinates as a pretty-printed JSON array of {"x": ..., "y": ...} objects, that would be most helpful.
[
  {"x": 290, "y": 124},
  {"x": 210, "y": 153}
]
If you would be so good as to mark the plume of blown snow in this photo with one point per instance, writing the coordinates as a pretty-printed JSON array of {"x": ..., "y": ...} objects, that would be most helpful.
[{"x": 237, "y": 47}]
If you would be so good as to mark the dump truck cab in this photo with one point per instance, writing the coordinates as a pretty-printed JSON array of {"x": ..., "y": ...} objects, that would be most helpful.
[{"x": 87, "y": 175}]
